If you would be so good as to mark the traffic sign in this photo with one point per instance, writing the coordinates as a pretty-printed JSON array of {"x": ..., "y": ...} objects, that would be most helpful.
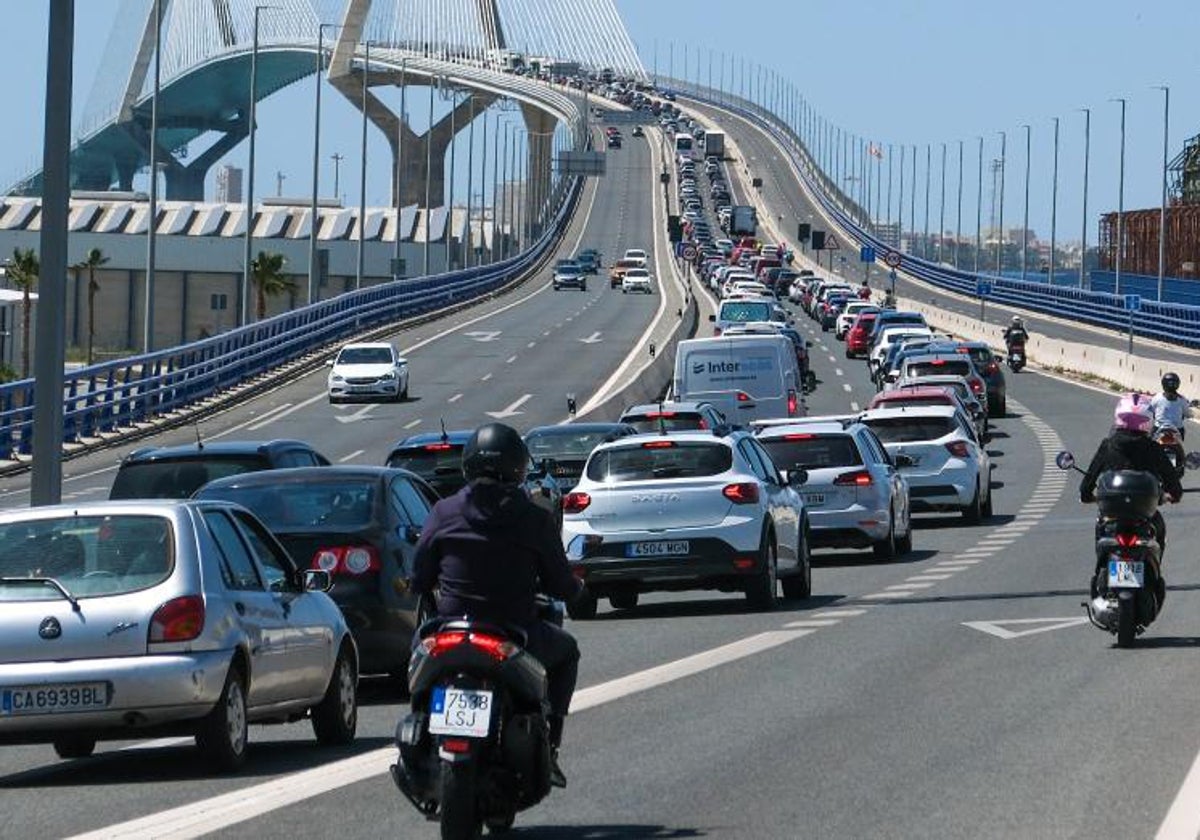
[
  {"x": 689, "y": 252},
  {"x": 893, "y": 259},
  {"x": 831, "y": 244},
  {"x": 867, "y": 254},
  {"x": 983, "y": 288},
  {"x": 1133, "y": 303}
]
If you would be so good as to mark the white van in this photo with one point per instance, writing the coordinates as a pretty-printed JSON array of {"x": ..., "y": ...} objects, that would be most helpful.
[{"x": 746, "y": 377}]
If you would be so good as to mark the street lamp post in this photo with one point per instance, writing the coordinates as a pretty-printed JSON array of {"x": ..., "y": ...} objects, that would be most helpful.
[
  {"x": 400, "y": 163},
  {"x": 449, "y": 229},
  {"x": 247, "y": 269},
  {"x": 1120, "y": 204},
  {"x": 1054, "y": 204},
  {"x": 362, "y": 173},
  {"x": 428, "y": 179},
  {"x": 941, "y": 256},
  {"x": 1087, "y": 153},
  {"x": 958, "y": 223},
  {"x": 928, "y": 162},
  {"x": 900, "y": 204},
  {"x": 1025, "y": 224},
  {"x": 469, "y": 251},
  {"x": 979, "y": 210},
  {"x": 1162, "y": 216},
  {"x": 152, "y": 227},
  {"x": 1000, "y": 233}
]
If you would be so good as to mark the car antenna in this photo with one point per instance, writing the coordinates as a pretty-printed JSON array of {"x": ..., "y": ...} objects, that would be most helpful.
[
  {"x": 445, "y": 437},
  {"x": 662, "y": 421},
  {"x": 199, "y": 440}
]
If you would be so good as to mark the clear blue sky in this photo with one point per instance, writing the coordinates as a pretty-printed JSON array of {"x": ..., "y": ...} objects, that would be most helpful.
[{"x": 926, "y": 71}]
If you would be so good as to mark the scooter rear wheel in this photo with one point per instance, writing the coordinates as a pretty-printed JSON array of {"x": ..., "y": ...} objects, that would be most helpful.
[
  {"x": 459, "y": 816},
  {"x": 1126, "y": 622}
]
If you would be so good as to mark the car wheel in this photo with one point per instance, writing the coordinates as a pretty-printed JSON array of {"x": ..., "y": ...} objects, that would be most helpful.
[
  {"x": 335, "y": 718},
  {"x": 885, "y": 549},
  {"x": 761, "y": 592},
  {"x": 1003, "y": 408},
  {"x": 987, "y": 505},
  {"x": 623, "y": 600},
  {"x": 222, "y": 735},
  {"x": 624, "y": 291},
  {"x": 973, "y": 512},
  {"x": 904, "y": 545},
  {"x": 74, "y": 746},
  {"x": 583, "y": 608},
  {"x": 333, "y": 401},
  {"x": 799, "y": 585},
  {"x": 404, "y": 393}
]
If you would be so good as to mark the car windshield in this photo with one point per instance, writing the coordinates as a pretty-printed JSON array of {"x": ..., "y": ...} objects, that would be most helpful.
[
  {"x": 745, "y": 310},
  {"x": 178, "y": 479},
  {"x": 908, "y": 429},
  {"x": 435, "y": 459},
  {"x": 365, "y": 356},
  {"x": 574, "y": 446},
  {"x": 87, "y": 556},
  {"x": 812, "y": 452},
  {"x": 300, "y": 506},
  {"x": 659, "y": 459}
]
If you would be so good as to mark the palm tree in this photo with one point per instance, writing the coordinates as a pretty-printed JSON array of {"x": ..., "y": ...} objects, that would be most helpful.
[
  {"x": 95, "y": 259},
  {"x": 269, "y": 279},
  {"x": 23, "y": 270}
]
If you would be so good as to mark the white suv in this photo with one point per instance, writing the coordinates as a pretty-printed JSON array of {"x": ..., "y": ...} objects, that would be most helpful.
[
  {"x": 946, "y": 465},
  {"x": 367, "y": 371},
  {"x": 683, "y": 511}
]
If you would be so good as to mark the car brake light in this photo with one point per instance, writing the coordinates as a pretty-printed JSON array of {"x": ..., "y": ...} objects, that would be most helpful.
[
  {"x": 347, "y": 560},
  {"x": 992, "y": 367},
  {"x": 958, "y": 449},
  {"x": 977, "y": 386},
  {"x": 743, "y": 493},
  {"x": 799, "y": 437},
  {"x": 1127, "y": 540},
  {"x": 938, "y": 362},
  {"x": 654, "y": 415},
  {"x": 576, "y": 502},
  {"x": 178, "y": 620},
  {"x": 792, "y": 404},
  {"x": 858, "y": 478},
  {"x": 742, "y": 396},
  {"x": 658, "y": 444},
  {"x": 438, "y": 447}
]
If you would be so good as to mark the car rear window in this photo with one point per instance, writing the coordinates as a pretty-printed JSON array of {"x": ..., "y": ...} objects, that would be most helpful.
[
  {"x": 743, "y": 311},
  {"x": 916, "y": 401},
  {"x": 431, "y": 460},
  {"x": 908, "y": 429},
  {"x": 576, "y": 445},
  {"x": 672, "y": 422},
  {"x": 659, "y": 459},
  {"x": 89, "y": 556},
  {"x": 293, "y": 506},
  {"x": 812, "y": 452},
  {"x": 939, "y": 367},
  {"x": 179, "y": 479}
]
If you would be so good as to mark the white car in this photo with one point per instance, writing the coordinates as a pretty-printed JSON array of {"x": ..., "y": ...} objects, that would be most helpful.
[
  {"x": 846, "y": 318},
  {"x": 947, "y": 466},
  {"x": 888, "y": 337},
  {"x": 368, "y": 371},
  {"x": 684, "y": 511},
  {"x": 855, "y": 496},
  {"x": 637, "y": 254},
  {"x": 636, "y": 280}
]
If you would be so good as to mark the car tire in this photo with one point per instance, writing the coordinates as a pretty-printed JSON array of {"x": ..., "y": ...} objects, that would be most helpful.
[
  {"x": 885, "y": 549},
  {"x": 583, "y": 608},
  {"x": 74, "y": 746},
  {"x": 624, "y": 291},
  {"x": 335, "y": 718},
  {"x": 798, "y": 586},
  {"x": 222, "y": 736},
  {"x": 973, "y": 512},
  {"x": 762, "y": 590},
  {"x": 623, "y": 600},
  {"x": 904, "y": 545},
  {"x": 1003, "y": 408},
  {"x": 987, "y": 505}
]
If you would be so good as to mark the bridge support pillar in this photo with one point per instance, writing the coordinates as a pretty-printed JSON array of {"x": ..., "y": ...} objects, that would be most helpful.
[{"x": 539, "y": 127}]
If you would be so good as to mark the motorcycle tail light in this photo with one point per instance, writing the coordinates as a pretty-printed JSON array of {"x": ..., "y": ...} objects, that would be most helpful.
[
  {"x": 1127, "y": 540},
  {"x": 439, "y": 643},
  {"x": 497, "y": 647},
  {"x": 456, "y": 745}
]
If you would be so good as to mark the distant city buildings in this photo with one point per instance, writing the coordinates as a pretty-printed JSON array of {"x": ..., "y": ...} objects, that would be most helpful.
[{"x": 229, "y": 184}]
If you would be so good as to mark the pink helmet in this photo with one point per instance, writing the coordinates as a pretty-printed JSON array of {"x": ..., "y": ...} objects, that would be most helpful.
[{"x": 1133, "y": 413}]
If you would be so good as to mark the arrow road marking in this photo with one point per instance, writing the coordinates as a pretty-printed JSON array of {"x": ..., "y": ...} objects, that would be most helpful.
[
  {"x": 512, "y": 409},
  {"x": 361, "y": 414},
  {"x": 1033, "y": 625},
  {"x": 483, "y": 336},
  {"x": 592, "y": 339}
]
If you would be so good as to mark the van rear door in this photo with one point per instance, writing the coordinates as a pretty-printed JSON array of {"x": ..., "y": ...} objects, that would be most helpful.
[{"x": 746, "y": 378}]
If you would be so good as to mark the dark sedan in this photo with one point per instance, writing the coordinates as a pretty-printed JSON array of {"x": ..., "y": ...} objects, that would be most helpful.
[
  {"x": 437, "y": 458},
  {"x": 567, "y": 447},
  {"x": 361, "y": 525}
]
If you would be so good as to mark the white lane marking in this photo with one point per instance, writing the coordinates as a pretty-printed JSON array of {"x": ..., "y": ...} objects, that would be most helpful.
[
  {"x": 833, "y": 358},
  {"x": 361, "y": 414},
  {"x": 513, "y": 408},
  {"x": 838, "y": 371},
  {"x": 838, "y": 613},
  {"x": 531, "y": 344},
  {"x": 260, "y": 423},
  {"x": 1183, "y": 820},
  {"x": 846, "y": 385},
  {"x": 455, "y": 398},
  {"x": 901, "y": 587},
  {"x": 486, "y": 378},
  {"x": 854, "y": 406},
  {"x": 206, "y": 816},
  {"x": 413, "y": 423},
  {"x": 926, "y": 578},
  {"x": 510, "y": 360},
  {"x": 1035, "y": 625},
  {"x": 813, "y": 623},
  {"x": 546, "y": 333},
  {"x": 887, "y": 596},
  {"x": 157, "y": 743},
  {"x": 964, "y": 560},
  {"x": 351, "y": 456}
]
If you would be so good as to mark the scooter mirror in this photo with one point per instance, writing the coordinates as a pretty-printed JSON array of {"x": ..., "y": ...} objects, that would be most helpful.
[
  {"x": 1192, "y": 461},
  {"x": 1065, "y": 460}
]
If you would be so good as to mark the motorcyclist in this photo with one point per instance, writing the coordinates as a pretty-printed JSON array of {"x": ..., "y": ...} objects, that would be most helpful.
[
  {"x": 1169, "y": 406},
  {"x": 864, "y": 291},
  {"x": 488, "y": 550},
  {"x": 1015, "y": 333},
  {"x": 1130, "y": 447}
]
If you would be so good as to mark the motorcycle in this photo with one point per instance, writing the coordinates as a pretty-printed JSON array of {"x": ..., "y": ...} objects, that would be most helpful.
[
  {"x": 1016, "y": 356},
  {"x": 1171, "y": 441},
  {"x": 475, "y": 747},
  {"x": 1127, "y": 586}
]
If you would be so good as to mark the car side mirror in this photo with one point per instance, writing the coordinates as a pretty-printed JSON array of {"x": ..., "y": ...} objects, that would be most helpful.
[
  {"x": 902, "y": 460},
  {"x": 1064, "y": 460},
  {"x": 329, "y": 363},
  {"x": 317, "y": 580},
  {"x": 712, "y": 318},
  {"x": 795, "y": 477}
]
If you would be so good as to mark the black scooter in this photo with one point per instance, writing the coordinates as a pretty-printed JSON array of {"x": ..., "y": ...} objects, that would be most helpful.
[{"x": 475, "y": 747}]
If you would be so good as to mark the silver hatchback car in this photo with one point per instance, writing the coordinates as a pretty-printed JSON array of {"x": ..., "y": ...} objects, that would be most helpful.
[{"x": 124, "y": 620}]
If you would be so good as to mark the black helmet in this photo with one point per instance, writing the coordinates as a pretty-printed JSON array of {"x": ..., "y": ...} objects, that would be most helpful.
[
  {"x": 1170, "y": 382},
  {"x": 495, "y": 451}
]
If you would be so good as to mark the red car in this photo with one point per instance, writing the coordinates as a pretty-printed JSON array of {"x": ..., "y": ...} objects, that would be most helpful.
[{"x": 858, "y": 337}]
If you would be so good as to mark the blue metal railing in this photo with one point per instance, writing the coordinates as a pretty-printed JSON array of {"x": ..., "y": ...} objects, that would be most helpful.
[
  {"x": 118, "y": 394},
  {"x": 1176, "y": 323}
]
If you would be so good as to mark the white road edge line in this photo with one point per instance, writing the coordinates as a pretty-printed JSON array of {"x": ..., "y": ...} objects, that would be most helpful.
[
  {"x": 215, "y": 813},
  {"x": 351, "y": 456},
  {"x": 1183, "y": 820}
]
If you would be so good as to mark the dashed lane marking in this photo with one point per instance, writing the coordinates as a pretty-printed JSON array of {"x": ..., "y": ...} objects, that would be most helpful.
[
  {"x": 351, "y": 456},
  {"x": 486, "y": 378},
  {"x": 846, "y": 385},
  {"x": 413, "y": 423},
  {"x": 510, "y": 360},
  {"x": 455, "y": 398}
]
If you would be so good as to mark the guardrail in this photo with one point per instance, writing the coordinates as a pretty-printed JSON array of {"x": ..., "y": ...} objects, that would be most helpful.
[
  {"x": 1171, "y": 322},
  {"x": 119, "y": 394}
]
